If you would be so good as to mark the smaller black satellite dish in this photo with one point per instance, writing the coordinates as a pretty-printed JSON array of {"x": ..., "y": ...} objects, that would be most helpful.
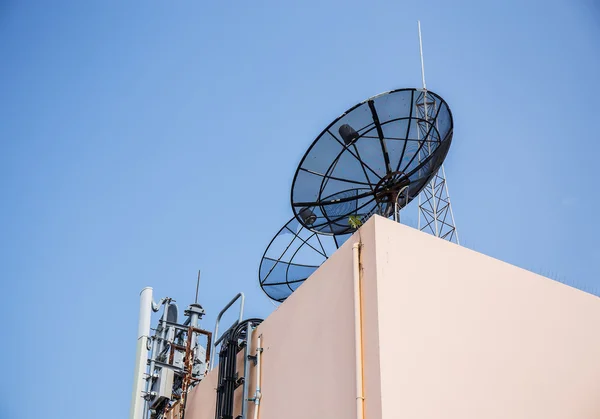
[{"x": 292, "y": 256}]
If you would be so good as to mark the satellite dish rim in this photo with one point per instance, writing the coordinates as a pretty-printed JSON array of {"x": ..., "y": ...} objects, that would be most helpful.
[
  {"x": 295, "y": 236},
  {"x": 449, "y": 135}
]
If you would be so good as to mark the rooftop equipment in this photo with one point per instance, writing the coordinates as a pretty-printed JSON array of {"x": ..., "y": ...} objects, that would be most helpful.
[
  {"x": 180, "y": 357},
  {"x": 375, "y": 158}
]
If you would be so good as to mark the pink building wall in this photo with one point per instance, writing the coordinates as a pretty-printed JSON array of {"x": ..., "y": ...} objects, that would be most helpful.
[
  {"x": 447, "y": 332},
  {"x": 463, "y": 335}
]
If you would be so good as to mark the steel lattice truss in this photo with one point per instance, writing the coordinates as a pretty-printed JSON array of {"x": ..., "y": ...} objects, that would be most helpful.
[
  {"x": 436, "y": 211},
  {"x": 434, "y": 201}
]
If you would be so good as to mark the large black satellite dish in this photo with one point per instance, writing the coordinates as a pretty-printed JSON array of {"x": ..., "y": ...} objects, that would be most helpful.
[
  {"x": 375, "y": 158},
  {"x": 292, "y": 256}
]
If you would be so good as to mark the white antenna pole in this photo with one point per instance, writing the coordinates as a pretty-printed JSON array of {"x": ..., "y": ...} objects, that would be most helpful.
[
  {"x": 421, "y": 51},
  {"x": 141, "y": 356}
]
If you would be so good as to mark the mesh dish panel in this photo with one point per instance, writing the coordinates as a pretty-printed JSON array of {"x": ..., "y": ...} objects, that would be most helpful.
[
  {"x": 292, "y": 256},
  {"x": 357, "y": 166}
]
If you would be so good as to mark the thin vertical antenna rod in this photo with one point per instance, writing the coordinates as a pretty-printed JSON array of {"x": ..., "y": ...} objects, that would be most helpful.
[
  {"x": 421, "y": 51},
  {"x": 197, "y": 286}
]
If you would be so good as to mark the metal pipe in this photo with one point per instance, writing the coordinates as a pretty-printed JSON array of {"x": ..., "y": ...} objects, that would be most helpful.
[
  {"x": 360, "y": 398},
  {"x": 154, "y": 351},
  {"x": 194, "y": 318},
  {"x": 232, "y": 368},
  {"x": 150, "y": 376},
  {"x": 396, "y": 209},
  {"x": 162, "y": 326},
  {"x": 141, "y": 357},
  {"x": 238, "y": 321},
  {"x": 246, "y": 370},
  {"x": 257, "y": 393}
]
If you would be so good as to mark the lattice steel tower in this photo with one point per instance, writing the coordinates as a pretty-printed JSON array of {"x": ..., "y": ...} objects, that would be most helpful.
[{"x": 435, "y": 210}]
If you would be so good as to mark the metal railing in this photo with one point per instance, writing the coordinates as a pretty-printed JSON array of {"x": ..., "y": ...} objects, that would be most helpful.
[{"x": 217, "y": 339}]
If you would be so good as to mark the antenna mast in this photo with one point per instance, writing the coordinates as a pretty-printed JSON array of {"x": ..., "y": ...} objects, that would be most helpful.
[
  {"x": 197, "y": 286},
  {"x": 421, "y": 52},
  {"x": 434, "y": 201}
]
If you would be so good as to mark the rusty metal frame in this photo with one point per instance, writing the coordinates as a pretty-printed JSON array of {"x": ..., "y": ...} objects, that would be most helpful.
[{"x": 188, "y": 366}]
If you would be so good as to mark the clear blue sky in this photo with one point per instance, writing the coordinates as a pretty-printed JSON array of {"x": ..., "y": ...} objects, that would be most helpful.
[{"x": 143, "y": 141}]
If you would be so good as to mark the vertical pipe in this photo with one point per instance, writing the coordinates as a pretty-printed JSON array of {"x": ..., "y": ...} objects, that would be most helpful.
[
  {"x": 229, "y": 383},
  {"x": 247, "y": 350},
  {"x": 194, "y": 319},
  {"x": 360, "y": 398},
  {"x": 258, "y": 393},
  {"x": 141, "y": 356},
  {"x": 152, "y": 365},
  {"x": 162, "y": 334},
  {"x": 396, "y": 206},
  {"x": 220, "y": 384},
  {"x": 232, "y": 368}
]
